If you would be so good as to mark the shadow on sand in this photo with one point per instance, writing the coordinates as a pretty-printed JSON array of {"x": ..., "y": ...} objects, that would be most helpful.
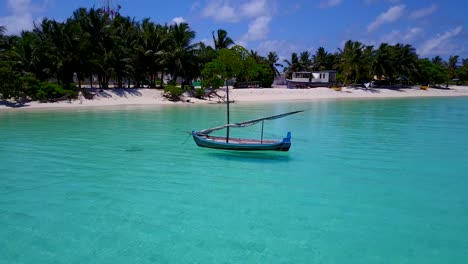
[
  {"x": 16, "y": 104},
  {"x": 109, "y": 93},
  {"x": 378, "y": 88}
]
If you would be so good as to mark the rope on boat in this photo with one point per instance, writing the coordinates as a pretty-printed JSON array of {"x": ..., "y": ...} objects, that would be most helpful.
[{"x": 185, "y": 141}]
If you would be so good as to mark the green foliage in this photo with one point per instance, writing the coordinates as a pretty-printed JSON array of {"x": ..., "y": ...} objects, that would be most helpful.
[
  {"x": 212, "y": 73},
  {"x": 10, "y": 83},
  {"x": 221, "y": 40},
  {"x": 14, "y": 84},
  {"x": 199, "y": 93},
  {"x": 173, "y": 92},
  {"x": 231, "y": 59},
  {"x": 272, "y": 60},
  {"x": 231, "y": 63},
  {"x": 265, "y": 75},
  {"x": 339, "y": 78},
  {"x": 431, "y": 73},
  {"x": 91, "y": 45},
  {"x": 187, "y": 88},
  {"x": 213, "y": 82},
  {"x": 46, "y": 91},
  {"x": 249, "y": 71},
  {"x": 463, "y": 73}
]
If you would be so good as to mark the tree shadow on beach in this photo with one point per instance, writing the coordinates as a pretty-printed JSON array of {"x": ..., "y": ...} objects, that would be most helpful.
[
  {"x": 124, "y": 92},
  {"x": 120, "y": 92},
  {"x": 440, "y": 87},
  {"x": 379, "y": 88},
  {"x": 15, "y": 104},
  {"x": 366, "y": 89},
  {"x": 398, "y": 87}
]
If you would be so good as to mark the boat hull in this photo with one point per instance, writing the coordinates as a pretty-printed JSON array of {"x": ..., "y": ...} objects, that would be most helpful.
[{"x": 242, "y": 144}]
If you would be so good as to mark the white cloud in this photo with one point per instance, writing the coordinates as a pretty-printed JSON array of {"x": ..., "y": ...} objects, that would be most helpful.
[
  {"x": 397, "y": 36},
  {"x": 412, "y": 34},
  {"x": 420, "y": 13},
  {"x": 329, "y": 3},
  {"x": 258, "y": 14},
  {"x": 391, "y": 15},
  {"x": 439, "y": 42},
  {"x": 254, "y": 8},
  {"x": 178, "y": 20},
  {"x": 233, "y": 11},
  {"x": 283, "y": 47},
  {"x": 242, "y": 43},
  {"x": 258, "y": 29},
  {"x": 21, "y": 15},
  {"x": 220, "y": 10}
]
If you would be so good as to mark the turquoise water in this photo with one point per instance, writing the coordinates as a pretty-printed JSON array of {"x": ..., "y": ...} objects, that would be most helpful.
[{"x": 378, "y": 181}]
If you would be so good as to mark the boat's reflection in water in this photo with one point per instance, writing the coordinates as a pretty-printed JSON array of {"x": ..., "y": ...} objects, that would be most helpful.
[{"x": 249, "y": 156}]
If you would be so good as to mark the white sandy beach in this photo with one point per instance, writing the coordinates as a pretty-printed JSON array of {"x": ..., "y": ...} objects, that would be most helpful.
[{"x": 145, "y": 97}]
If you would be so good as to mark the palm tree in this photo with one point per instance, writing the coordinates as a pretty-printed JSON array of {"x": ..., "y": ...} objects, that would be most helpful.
[
  {"x": 23, "y": 53},
  {"x": 438, "y": 60},
  {"x": 272, "y": 60},
  {"x": 464, "y": 62},
  {"x": 99, "y": 42},
  {"x": 322, "y": 60},
  {"x": 452, "y": 66},
  {"x": 204, "y": 53},
  {"x": 381, "y": 65},
  {"x": 351, "y": 60},
  {"x": 2, "y": 33},
  {"x": 122, "y": 32},
  {"x": 305, "y": 62},
  {"x": 180, "y": 56},
  {"x": 405, "y": 60},
  {"x": 254, "y": 54},
  {"x": 221, "y": 40},
  {"x": 154, "y": 48},
  {"x": 65, "y": 44},
  {"x": 292, "y": 65}
]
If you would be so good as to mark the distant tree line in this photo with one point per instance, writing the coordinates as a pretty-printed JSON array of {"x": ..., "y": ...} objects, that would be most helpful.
[
  {"x": 358, "y": 63},
  {"x": 90, "y": 48}
]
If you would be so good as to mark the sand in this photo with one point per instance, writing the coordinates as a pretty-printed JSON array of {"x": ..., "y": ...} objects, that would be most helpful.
[{"x": 148, "y": 97}]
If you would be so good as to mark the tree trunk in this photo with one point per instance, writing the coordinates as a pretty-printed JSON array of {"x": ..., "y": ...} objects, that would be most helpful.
[
  {"x": 345, "y": 80},
  {"x": 79, "y": 80},
  {"x": 162, "y": 78}
]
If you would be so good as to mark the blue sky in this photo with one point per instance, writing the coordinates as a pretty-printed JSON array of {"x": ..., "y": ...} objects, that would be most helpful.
[{"x": 436, "y": 27}]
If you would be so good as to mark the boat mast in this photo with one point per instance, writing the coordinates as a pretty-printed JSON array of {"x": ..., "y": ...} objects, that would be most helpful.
[
  {"x": 227, "y": 106},
  {"x": 261, "y": 138}
]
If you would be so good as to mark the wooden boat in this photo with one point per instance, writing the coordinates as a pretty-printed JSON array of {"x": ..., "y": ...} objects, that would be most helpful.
[
  {"x": 208, "y": 141},
  {"x": 204, "y": 139}
]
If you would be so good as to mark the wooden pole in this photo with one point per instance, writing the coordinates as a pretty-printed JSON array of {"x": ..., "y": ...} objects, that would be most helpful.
[
  {"x": 227, "y": 106},
  {"x": 261, "y": 139}
]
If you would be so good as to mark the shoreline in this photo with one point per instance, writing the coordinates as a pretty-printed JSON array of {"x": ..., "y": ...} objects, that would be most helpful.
[{"x": 144, "y": 97}]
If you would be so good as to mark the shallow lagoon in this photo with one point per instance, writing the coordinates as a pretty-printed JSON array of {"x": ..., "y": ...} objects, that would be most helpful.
[{"x": 366, "y": 181}]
